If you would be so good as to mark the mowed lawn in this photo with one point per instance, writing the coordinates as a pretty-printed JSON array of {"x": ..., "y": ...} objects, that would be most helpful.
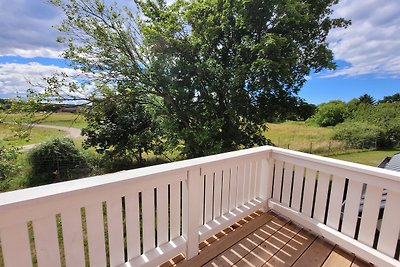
[{"x": 372, "y": 158}]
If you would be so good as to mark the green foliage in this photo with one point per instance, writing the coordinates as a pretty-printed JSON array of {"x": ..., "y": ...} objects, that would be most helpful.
[
  {"x": 55, "y": 161},
  {"x": 358, "y": 134},
  {"x": 367, "y": 99},
  {"x": 379, "y": 124},
  {"x": 329, "y": 114},
  {"x": 8, "y": 157},
  {"x": 391, "y": 99},
  {"x": 121, "y": 127},
  {"x": 209, "y": 73}
]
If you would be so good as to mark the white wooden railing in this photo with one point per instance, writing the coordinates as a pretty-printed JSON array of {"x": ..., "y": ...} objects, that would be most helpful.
[{"x": 146, "y": 216}]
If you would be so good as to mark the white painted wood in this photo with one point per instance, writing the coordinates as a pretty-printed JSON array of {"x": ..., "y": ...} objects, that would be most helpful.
[
  {"x": 95, "y": 234},
  {"x": 390, "y": 224},
  {"x": 190, "y": 213},
  {"x": 162, "y": 215},
  {"x": 46, "y": 242},
  {"x": 308, "y": 196},
  {"x": 240, "y": 184},
  {"x": 361, "y": 250},
  {"x": 246, "y": 181},
  {"x": 233, "y": 188},
  {"x": 321, "y": 196},
  {"x": 72, "y": 237},
  {"x": 148, "y": 220},
  {"x": 15, "y": 246},
  {"x": 160, "y": 255},
  {"x": 278, "y": 180},
  {"x": 335, "y": 204},
  {"x": 266, "y": 172},
  {"x": 226, "y": 176},
  {"x": 297, "y": 187},
  {"x": 351, "y": 208},
  {"x": 217, "y": 194},
  {"x": 175, "y": 210},
  {"x": 208, "y": 197},
  {"x": 203, "y": 200},
  {"x": 225, "y": 221},
  {"x": 115, "y": 231},
  {"x": 132, "y": 225},
  {"x": 370, "y": 214},
  {"x": 359, "y": 172},
  {"x": 287, "y": 183},
  {"x": 255, "y": 173}
]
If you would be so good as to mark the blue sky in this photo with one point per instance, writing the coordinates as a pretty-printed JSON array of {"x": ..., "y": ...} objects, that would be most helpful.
[{"x": 367, "y": 53}]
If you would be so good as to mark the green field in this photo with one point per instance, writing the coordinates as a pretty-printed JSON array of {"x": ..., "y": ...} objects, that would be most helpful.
[
  {"x": 59, "y": 119},
  {"x": 8, "y": 135},
  {"x": 317, "y": 140}
]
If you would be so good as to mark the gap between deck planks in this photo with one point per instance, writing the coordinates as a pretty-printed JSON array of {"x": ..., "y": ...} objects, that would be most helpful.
[{"x": 268, "y": 239}]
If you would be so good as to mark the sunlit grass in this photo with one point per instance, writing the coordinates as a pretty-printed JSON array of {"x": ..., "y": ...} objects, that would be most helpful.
[
  {"x": 59, "y": 119},
  {"x": 8, "y": 135}
]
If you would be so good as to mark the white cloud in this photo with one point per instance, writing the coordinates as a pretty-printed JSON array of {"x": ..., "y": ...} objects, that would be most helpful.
[
  {"x": 16, "y": 78},
  {"x": 26, "y": 28},
  {"x": 371, "y": 45}
]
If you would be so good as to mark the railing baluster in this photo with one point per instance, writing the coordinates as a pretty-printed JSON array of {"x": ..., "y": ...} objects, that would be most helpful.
[
  {"x": 297, "y": 187},
  {"x": 208, "y": 201},
  {"x": 240, "y": 184},
  {"x": 46, "y": 242},
  {"x": 72, "y": 237},
  {"x": 162, "y": 215},
  {"x": 175, "y": 210},
  {"x": 253, "y": 179},
  {"x": 148, "y": 220},
  {"x": 115, "y": 231},
  {"x": 233, "y": 188},
  {"x": 15, "y": 245},
  {"x": 132, "y": 225},
  {"x": 226, "y": 175},
  {"x": 95, "y": 234},
  {"x": 351, "y": 208},
  {"x": 278, "y": 180},
  {"x": 321, "y": 196},
  {"x": 246, "y": 182},
  {"x": 217, "y": 193},
  {"x": 335, "y": 203},
  {"x": 390, "y": 226},
  {"x": 308, "y": 196},
  {"x": 370, "y": 213},
  {"x": 287, "y": 183}
]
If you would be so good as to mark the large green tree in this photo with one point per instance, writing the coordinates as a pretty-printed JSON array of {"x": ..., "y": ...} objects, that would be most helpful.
[{"x": 205, "y": 68}]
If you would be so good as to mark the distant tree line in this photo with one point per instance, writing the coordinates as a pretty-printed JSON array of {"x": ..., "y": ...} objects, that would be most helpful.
[{"x": 363, "y": 121}]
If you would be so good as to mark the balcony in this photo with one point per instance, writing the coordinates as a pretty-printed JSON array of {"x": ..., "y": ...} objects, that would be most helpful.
[{"x": 147, "y": 216}]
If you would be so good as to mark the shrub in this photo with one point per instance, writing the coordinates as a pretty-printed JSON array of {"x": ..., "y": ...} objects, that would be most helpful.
[
  {"x": 8, "y": 157},
  {"x": 359, "y": 134},
  {"x": 329, "y": 114},
  {"x": 55, "y": 161}
]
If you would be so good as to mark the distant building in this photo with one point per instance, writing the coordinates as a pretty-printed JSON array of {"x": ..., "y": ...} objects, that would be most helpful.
[{"x": 391, "y": 163}]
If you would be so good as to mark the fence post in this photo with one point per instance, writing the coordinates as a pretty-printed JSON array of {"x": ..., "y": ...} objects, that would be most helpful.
[
  {"x": 191, "y": 206},
  {"x": 265, "y": 176}
]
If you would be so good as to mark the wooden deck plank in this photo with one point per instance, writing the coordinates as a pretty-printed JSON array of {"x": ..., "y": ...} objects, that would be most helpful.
[
  {"x": 268, "y": 239},
  {"x": 292, "y": 250},
  {"x": 315, "y": 255},
  {"x": 210, "y": 252},
  {"x": 339, "y": 257},
  {"x": 360, "y": 263},
  {"x": 269, "y": 247},
  {"x": 248, "y": 243}
]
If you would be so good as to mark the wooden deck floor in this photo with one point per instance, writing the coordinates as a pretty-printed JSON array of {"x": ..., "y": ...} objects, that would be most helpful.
[{"x": 268, "y": 240}]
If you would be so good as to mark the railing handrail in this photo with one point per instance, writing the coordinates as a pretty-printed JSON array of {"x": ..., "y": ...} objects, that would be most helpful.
[{"x": 96, "y": 182}]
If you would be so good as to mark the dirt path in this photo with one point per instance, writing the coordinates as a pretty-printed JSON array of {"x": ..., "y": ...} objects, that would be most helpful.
[{"x": 70, "y": 132}]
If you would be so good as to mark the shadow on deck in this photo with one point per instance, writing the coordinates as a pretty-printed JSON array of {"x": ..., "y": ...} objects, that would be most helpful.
[{"x": 268, "y": 239}]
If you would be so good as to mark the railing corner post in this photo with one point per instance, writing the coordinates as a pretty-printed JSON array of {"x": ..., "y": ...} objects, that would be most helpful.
[
  {"x": 191, "y": 212},
  {"x": 266, "y": 176}
]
